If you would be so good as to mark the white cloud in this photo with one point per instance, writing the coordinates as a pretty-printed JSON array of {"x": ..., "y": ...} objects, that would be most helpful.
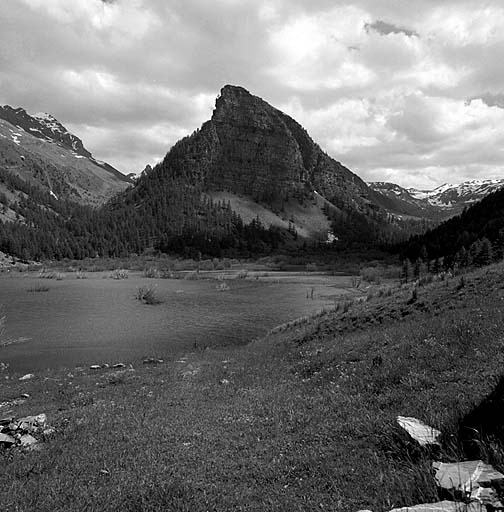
[{"x": 390, "y": 91}]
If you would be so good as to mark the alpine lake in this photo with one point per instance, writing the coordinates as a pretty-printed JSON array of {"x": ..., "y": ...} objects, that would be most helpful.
[{"x": 69, "y": 322}]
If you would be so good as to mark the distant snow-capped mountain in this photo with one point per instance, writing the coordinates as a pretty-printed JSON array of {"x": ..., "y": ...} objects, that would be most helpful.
[
  {"x": 437, "y": 204},
  {"x": 448, "y": 196}
]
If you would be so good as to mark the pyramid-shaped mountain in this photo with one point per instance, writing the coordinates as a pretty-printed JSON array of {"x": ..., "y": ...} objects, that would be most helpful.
[
  {"x": 251, "y": 148},
  {"x": 264, "y": 164}
]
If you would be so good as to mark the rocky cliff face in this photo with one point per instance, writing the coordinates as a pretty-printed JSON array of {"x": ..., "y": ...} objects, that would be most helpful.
[{"x": 250, "y": 148}]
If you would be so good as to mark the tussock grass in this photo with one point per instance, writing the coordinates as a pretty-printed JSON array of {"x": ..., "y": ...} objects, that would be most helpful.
[
  {"x": 148, "y": 295},
  {"x": 304, "y": 419},
  {"x": 45, "y": 274},
  {"x": 152, "y": 272},
  {"x": 38, "y": 287},
  {"x": 119, "y": 274}
]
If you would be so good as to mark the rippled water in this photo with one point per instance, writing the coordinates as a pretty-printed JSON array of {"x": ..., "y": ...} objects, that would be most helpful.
[{"x": 98, "y": 319}]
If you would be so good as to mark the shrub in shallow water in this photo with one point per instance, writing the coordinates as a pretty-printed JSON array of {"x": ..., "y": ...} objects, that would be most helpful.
[
  {"x": 120, "y": 274},
  {"x": 148, "y": 295},
  {"x": 38, "y": 288},
  {"x": 151, "y": 272}
]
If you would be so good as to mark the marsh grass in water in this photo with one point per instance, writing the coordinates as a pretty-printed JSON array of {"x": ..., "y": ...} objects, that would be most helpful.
[
  {"x": 148, "y": 295},
  {"x": 38, "y": 287},
  {"x": 120, "y": 273}
]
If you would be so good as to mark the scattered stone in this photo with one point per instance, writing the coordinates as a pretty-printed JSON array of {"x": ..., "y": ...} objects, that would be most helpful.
[
  {"x": 441, "y": 506},
  {"x": 95, "y": 367},
  {"x": 487, "y": 496},
  {"x": 28, "y": 376},
  {"x": 49, "y": 431},
  {"x": 27, "y": 440},
  {"x": 419, "y": 431},
  {"x": 225, "y": 382},
  {"x": 152, "y": 360},
  {"x": 19, "y": 432},
  {"x": 7, "y": 439},
  {"x": 467, "y": 477},
  {"x": 25, "y": 395}
]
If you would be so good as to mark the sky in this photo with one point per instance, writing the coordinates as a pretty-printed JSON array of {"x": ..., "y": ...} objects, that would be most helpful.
[{"x": 407, "y": 91}]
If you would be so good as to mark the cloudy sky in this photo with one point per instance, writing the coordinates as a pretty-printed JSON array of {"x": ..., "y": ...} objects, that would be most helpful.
[{"x": 409, "y": 91}]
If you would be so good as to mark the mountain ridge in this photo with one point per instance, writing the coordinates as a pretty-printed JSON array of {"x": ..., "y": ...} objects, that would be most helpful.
[
  {"x": 39, "y": 150},
  {"x": 439, "y": 203}
]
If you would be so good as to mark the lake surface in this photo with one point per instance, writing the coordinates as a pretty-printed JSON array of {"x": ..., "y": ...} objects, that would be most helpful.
[{"x": 98, "y": 320}]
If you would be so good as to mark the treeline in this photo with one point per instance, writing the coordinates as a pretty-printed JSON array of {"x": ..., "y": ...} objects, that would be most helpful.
[{"x": 162, "y": 213}]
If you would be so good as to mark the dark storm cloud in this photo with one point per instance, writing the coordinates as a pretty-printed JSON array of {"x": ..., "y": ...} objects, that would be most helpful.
[{"x": 385, "y": 28}]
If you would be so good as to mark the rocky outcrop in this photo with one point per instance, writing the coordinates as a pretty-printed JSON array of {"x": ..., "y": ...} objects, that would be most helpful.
[
  {"x": 18, "y": 432},
  {"x": 43, "y": 126}
]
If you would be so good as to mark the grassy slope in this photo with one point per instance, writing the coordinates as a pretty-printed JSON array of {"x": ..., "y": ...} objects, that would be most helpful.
[
  {"x": 308, "y": 220},
  {"x": 306, "y": 422}
]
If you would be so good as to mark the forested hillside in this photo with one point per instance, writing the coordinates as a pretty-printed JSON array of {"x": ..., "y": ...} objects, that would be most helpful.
[{"x": 474, "y": 238}]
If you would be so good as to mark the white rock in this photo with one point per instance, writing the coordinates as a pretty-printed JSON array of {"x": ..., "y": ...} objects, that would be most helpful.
[
  {"x": 4, "y": 438},
  {"x": 28, "y": 376},
  {"x": 467, "y": 477},
  {"x": 419, "y": 431},
  {"x": 95, "y": 367},
  {"x": 441, "y": 506},
  {"x": 27, "y": 440}
]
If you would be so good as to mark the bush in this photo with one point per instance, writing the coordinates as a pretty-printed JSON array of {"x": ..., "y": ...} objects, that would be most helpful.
[{"x": 371, "y": 275}]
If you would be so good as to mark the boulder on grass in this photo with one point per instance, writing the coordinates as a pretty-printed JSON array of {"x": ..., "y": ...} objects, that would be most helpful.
[
  {"x": 419, "y": 431},
  {"x": 467, "y": 477}
]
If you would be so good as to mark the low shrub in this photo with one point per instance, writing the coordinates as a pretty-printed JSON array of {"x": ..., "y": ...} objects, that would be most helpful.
[{"x": 371, "y": 275}]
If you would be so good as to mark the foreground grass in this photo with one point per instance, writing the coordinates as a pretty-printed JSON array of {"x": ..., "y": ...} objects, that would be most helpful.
[{"x": 301, "y": 420}]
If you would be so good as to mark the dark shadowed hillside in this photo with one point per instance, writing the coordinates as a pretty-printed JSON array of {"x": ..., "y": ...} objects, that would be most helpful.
[{"x": 474, "y": 237}]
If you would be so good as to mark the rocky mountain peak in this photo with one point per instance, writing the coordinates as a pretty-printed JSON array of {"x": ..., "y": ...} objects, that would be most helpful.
[
  {"x": 43, "y": 126},
  {"x": 251, "y": 148}
]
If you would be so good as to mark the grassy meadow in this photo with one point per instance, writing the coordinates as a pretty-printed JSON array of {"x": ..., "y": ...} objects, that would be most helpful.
[{"x": 302, "y": 419}]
